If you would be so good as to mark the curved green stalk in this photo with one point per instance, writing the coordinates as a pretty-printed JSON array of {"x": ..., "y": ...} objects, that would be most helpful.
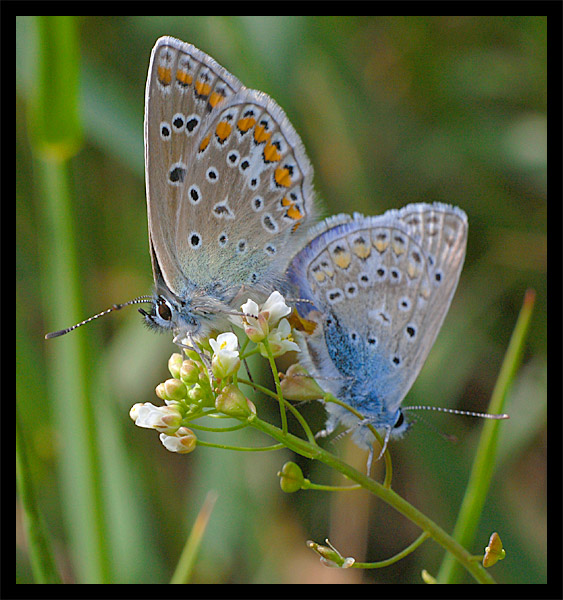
[
  {"x": 389, "y": 561},
  {"x": 484, "y": 463},
  {"x": 275, "y": 373},
  {"x": 426, "y": 524},
  {"x": 241, "y": 448}
]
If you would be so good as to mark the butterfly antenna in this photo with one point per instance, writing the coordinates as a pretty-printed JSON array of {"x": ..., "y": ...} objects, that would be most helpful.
[
  {"x": 114, "y": 307},
  {"x": 454, "y": 411},
  {"x": 300, "y": 300},
  {"x": 234, "y": 313}
]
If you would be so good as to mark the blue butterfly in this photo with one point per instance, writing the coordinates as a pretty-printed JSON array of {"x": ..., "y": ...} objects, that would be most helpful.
[{"x": 378, "y": 289}]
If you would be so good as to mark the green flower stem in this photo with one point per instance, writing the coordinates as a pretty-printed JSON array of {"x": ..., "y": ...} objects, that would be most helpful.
[
  {"x": 308, "y": 485},
  {"x": 385, "y": 563},
  {"x": 243, "y": 346},
  {"x": 308, "y": 450},
  {"x": 275, "y": 373},
  {"x": 310, "y": 435},
  {"x": 252, "y": 352},
  {"x": 259, "y": 388},
  {"x": 483, "y": 465},
  {"x": 386, "y": 454},
  {"x": 240, "y": 448},
  {"x": 477, "y": 557},
  {"x": 192, "y": 425}
]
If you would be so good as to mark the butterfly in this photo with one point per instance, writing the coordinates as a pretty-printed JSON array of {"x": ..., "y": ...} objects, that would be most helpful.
[
  {"x": 377, "y": 289},
  {"x": 229, "y": 188},
  {"x": 229, "y": 192}
]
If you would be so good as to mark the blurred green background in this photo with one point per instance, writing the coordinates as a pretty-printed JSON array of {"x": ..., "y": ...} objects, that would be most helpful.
[{"x": 392, "y": 110}]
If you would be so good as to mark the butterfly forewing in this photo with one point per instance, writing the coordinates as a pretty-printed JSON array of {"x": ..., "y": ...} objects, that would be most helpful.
[{"x": 229, "y": 185}]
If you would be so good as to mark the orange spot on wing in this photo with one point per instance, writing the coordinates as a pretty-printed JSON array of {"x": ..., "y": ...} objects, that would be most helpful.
[
  {"x": 261, "y": 135},
  {"x": 343, "y": 260},
  {"x": 246, "y": 123},
  {"x": 164, "y": 75},
  {"x": 361, "y": 250},
  {"x": 271, "y": 153},
  {"x": 202, "y": 88},
  {"x": 215, "y": 99},
  {"x": 204, "y": 143},
  {"x": 223, "y": 130},
  {"x": 294, "y": 213},
  {"x": 184, "y": 77},
  {"x": 282, "y": 177}
]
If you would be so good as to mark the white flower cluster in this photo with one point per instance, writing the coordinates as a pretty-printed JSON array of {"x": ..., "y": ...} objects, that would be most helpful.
[
  {"x": 166, "y": 420},
  {"x": 265, "y": 325}
]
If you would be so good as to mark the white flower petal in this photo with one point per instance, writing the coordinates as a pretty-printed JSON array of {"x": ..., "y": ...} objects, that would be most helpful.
[
  {"x": 149, "y": 416},
  {"x": 227, "y": 342},
  {"x": 225, "y": 359},
  {"x": 276, "y": 307},
  {"x": 250, "y": 308},
  {"x": 183, "y": 442}
]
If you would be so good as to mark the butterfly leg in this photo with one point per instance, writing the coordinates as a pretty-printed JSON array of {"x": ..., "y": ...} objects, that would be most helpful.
[
  {"x": 331, "y": 425},
  {"x": 204, "y": 359}
]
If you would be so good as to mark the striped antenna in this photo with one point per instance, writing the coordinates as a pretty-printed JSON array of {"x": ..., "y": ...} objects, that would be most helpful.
[
  {"x": 454, "y": 411},
  {"x": 114, "y": 307}
]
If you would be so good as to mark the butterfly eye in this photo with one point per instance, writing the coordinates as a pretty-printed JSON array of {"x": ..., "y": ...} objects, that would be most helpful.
[
  {"x": 400, "y": 420},
  {"x": 163, "y": 310}
]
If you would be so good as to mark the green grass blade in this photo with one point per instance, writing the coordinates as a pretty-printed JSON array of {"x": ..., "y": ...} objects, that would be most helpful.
[{"x": 483, "y": 466}]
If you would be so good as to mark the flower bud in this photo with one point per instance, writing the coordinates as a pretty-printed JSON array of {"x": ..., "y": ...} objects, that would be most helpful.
[
  {"x": 182, "y": 442},
  {"x": 174, "y": 364},
  {"x": 256, "y": 329},
  {"x": 166, "y": 419},
  {"x": 330, "y": 555},
  {"x": 232, "y": 402},
  {"x": 291, "y": 477},
  {"x": 189, "y": 372},
  {"x": 494, "y": 551},
  {"x": 174, "y": 389},
  {"x": 197, "y": 394},
  {"x": 297, "y": 384}
]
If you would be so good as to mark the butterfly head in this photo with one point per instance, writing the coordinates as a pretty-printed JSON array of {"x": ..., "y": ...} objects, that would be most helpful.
[{"x": 194, "y": 311}]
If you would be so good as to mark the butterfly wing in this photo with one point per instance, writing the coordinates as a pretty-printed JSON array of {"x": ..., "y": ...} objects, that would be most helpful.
[
  {"x": 380, "y": 287},
  {"x": 184, "y": 88},
  {"x": 228, "y": 182}
]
